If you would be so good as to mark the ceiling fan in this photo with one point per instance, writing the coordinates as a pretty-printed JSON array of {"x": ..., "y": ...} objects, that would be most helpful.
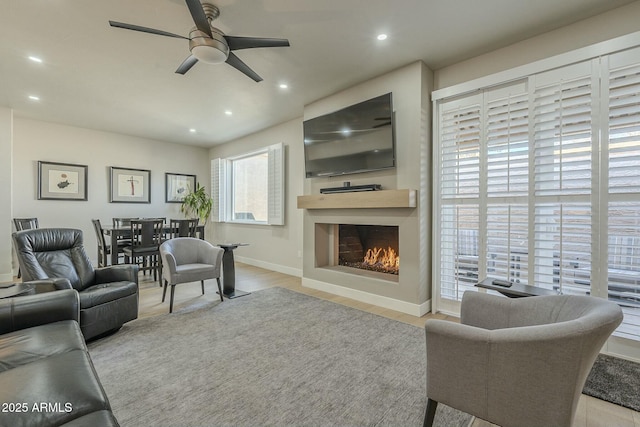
[{"x": 209, "y": 44}]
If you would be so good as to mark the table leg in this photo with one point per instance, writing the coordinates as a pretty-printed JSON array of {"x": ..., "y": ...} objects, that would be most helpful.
[{"x": 229, "y": 275}]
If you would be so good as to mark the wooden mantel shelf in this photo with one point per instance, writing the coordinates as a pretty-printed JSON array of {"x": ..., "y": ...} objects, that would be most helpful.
[{"x": 358, "y": 200}]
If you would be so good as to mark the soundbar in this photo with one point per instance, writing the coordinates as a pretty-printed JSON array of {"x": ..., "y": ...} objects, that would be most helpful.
[{"x": 351, "y": 188}]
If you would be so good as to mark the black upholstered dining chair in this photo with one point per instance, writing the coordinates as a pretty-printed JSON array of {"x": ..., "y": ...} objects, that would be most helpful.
[
  {"x": 104, "y": 250},
  {"x": 24, "y": 224},
  {"x": 146, "y": 237},
  {"x": 183, "y": 227}
]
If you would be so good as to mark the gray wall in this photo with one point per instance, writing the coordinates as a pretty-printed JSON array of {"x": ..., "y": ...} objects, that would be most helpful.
[
  {"x": 275, "y": 247},
  {"x": 36, "y": 140}
]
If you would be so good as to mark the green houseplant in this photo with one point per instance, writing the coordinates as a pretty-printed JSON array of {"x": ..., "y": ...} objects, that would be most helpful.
[{"x": 197, "y": 203}]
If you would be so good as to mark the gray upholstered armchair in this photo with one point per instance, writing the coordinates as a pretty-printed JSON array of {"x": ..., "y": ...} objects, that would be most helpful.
[
  {"x": 108, "y": 295},
  {"x": 517, "y": 362},
  {"x": 187, "y": 259}
]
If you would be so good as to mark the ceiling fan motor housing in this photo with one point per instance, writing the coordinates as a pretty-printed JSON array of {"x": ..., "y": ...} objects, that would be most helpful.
[{"x": 212, "y": 50}]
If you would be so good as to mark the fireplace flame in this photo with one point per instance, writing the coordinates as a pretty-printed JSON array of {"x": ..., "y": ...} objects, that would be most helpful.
[{"x": 386, "y": 259}]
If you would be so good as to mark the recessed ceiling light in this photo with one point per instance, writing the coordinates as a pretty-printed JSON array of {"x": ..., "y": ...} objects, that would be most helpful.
[
  {"x": 228, "y": 112},
  {"x": 283, "y": 85},
  {"x": 382, "y": 37},
  {"x": 35, "y": 59},
  {"x": 34, "y": 98},
  {"x": 192, "y": 130}
]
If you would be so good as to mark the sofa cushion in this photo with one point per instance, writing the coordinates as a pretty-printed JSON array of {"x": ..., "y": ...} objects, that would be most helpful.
[
  {"x": 106, "y": 292},
  {"x": 52, "y": 391},
  {"x": 27, "y": 345}
]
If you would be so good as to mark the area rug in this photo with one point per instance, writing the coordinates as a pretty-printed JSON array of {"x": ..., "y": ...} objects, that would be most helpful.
[
  {"x": 615, "y": 380},
  {"x": 272, "y": 358}
]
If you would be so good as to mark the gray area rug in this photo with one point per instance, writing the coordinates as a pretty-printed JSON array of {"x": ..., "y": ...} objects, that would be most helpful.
[
  {"x": 272, "y": 358},
  {"x": 615, "y": 380}
]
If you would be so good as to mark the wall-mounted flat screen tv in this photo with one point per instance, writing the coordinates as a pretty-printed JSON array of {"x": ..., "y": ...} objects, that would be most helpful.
[{"x": 358, "y": 138}]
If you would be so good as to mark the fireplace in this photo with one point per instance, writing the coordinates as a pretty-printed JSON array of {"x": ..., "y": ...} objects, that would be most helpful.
[{"x": 369, "y": 247}]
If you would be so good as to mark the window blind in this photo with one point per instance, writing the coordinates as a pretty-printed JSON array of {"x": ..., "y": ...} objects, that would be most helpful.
[{"x": 539, "y": 183}]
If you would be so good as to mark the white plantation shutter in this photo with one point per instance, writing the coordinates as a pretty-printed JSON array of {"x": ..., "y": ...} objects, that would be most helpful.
[
  {"x": 219, "y": 189},
  {"x": 276, "y": 185},
  {"x": 623, "y": 188},
  {"x": 507, "y": 182},
  {"x": 564, "y": 142},
  {"x": 459, "y": 188},
  {"x": 538, "y": 182},
  {"x": 272, "y": 176}
]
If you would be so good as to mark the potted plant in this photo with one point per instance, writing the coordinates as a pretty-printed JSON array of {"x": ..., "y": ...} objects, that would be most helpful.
[{"x": 197, "y": 203}]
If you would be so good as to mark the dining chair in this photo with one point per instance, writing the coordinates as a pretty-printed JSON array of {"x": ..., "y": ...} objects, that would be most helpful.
[
  {"x": 183, "y": 227},
  {"x": 24, "y": 224},
  {"x": 104, "y": 250},
  {"x": 124, "y": 240},
  {"x": 146, "y": 238}
]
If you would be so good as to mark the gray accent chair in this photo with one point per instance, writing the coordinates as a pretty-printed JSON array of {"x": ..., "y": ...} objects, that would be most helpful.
[
  {"x": 516, "y": 362},
  {"x": 108, "y": 295},
  {"x": 187, "y": 259}
]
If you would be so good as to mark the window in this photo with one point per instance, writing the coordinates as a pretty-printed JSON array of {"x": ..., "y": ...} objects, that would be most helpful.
[
  {"x": 250, "y": 188},
  {"x": 538, "y": 182}
]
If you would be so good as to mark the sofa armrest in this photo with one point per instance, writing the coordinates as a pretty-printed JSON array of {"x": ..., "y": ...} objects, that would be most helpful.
[
  {"x": 34, "y": 310},
  {"x": 50, "y": 285},
  {"x": 117, "y": 273}
]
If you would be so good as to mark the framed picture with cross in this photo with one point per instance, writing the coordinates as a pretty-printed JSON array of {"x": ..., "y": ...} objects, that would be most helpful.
[{"x": 130, "y": 185}]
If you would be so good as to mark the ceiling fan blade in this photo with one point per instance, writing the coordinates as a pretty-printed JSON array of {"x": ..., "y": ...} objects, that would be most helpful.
[
  {"x": 199, "y": 17},
  {"x": 236, "y": 43},
  {"x": 236, "y": 63},
  {"x": 145, "y": 30},
  {"x": 187, "y": 64}
]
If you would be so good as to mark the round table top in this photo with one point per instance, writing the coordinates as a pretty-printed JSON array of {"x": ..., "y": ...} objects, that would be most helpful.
[{"x": 15, "y": 290}]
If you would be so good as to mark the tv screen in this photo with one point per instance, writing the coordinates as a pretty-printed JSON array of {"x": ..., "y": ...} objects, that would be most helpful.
[{"x": 358, "y": 138}]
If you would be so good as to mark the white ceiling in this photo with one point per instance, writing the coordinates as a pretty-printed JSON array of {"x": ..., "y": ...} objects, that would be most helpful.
[{"x": 122, "y": 81}]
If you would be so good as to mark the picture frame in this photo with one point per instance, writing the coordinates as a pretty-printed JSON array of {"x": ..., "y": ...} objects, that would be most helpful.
[
  {"x": 129, "y": 185},
  {"x": 177, "y": 185},
  {"x": 62, "y": 181}
]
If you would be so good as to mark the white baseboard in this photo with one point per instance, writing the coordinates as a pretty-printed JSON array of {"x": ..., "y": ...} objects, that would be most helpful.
[
  {"x": 297, "y": 272},
  {"x": 417, "y": 310}
]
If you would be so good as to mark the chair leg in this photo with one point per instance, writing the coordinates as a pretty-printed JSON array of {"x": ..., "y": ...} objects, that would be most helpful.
[
  {"x": 202, "y": 284},
  {"x": 173, "y": 288},
  {"x": 219, "y": 289},
  {"x": 430, "y": 413},
  {"x": 164, "y": 292},
  {"x": 159, "y": 272}
]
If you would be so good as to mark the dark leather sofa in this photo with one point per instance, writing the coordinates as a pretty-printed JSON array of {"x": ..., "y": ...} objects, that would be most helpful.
[
  {"x": 47, "y": 377},
  {"x": 108, "y": 295}
]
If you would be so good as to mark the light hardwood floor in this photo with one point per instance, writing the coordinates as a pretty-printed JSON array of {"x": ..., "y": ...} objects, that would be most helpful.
[{"x": 591, "y": 412}]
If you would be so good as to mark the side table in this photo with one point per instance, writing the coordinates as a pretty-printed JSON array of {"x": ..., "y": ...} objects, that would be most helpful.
[
  {"x": 229, "y": 271},
  {"x": 16, "y": 290},
  {"x": 516, "y": 290}
]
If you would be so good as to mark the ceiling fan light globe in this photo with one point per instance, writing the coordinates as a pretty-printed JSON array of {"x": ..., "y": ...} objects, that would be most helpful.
[
  {"x": 210, "y": 50},
  {"x": 209, "y": 54}
]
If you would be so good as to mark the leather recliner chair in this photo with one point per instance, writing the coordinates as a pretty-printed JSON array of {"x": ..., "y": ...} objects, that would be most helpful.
[{"x": 108, "y": 295}]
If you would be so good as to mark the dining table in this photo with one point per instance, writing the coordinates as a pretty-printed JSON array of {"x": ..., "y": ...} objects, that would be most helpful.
[{"x": 119, "y": 233}]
